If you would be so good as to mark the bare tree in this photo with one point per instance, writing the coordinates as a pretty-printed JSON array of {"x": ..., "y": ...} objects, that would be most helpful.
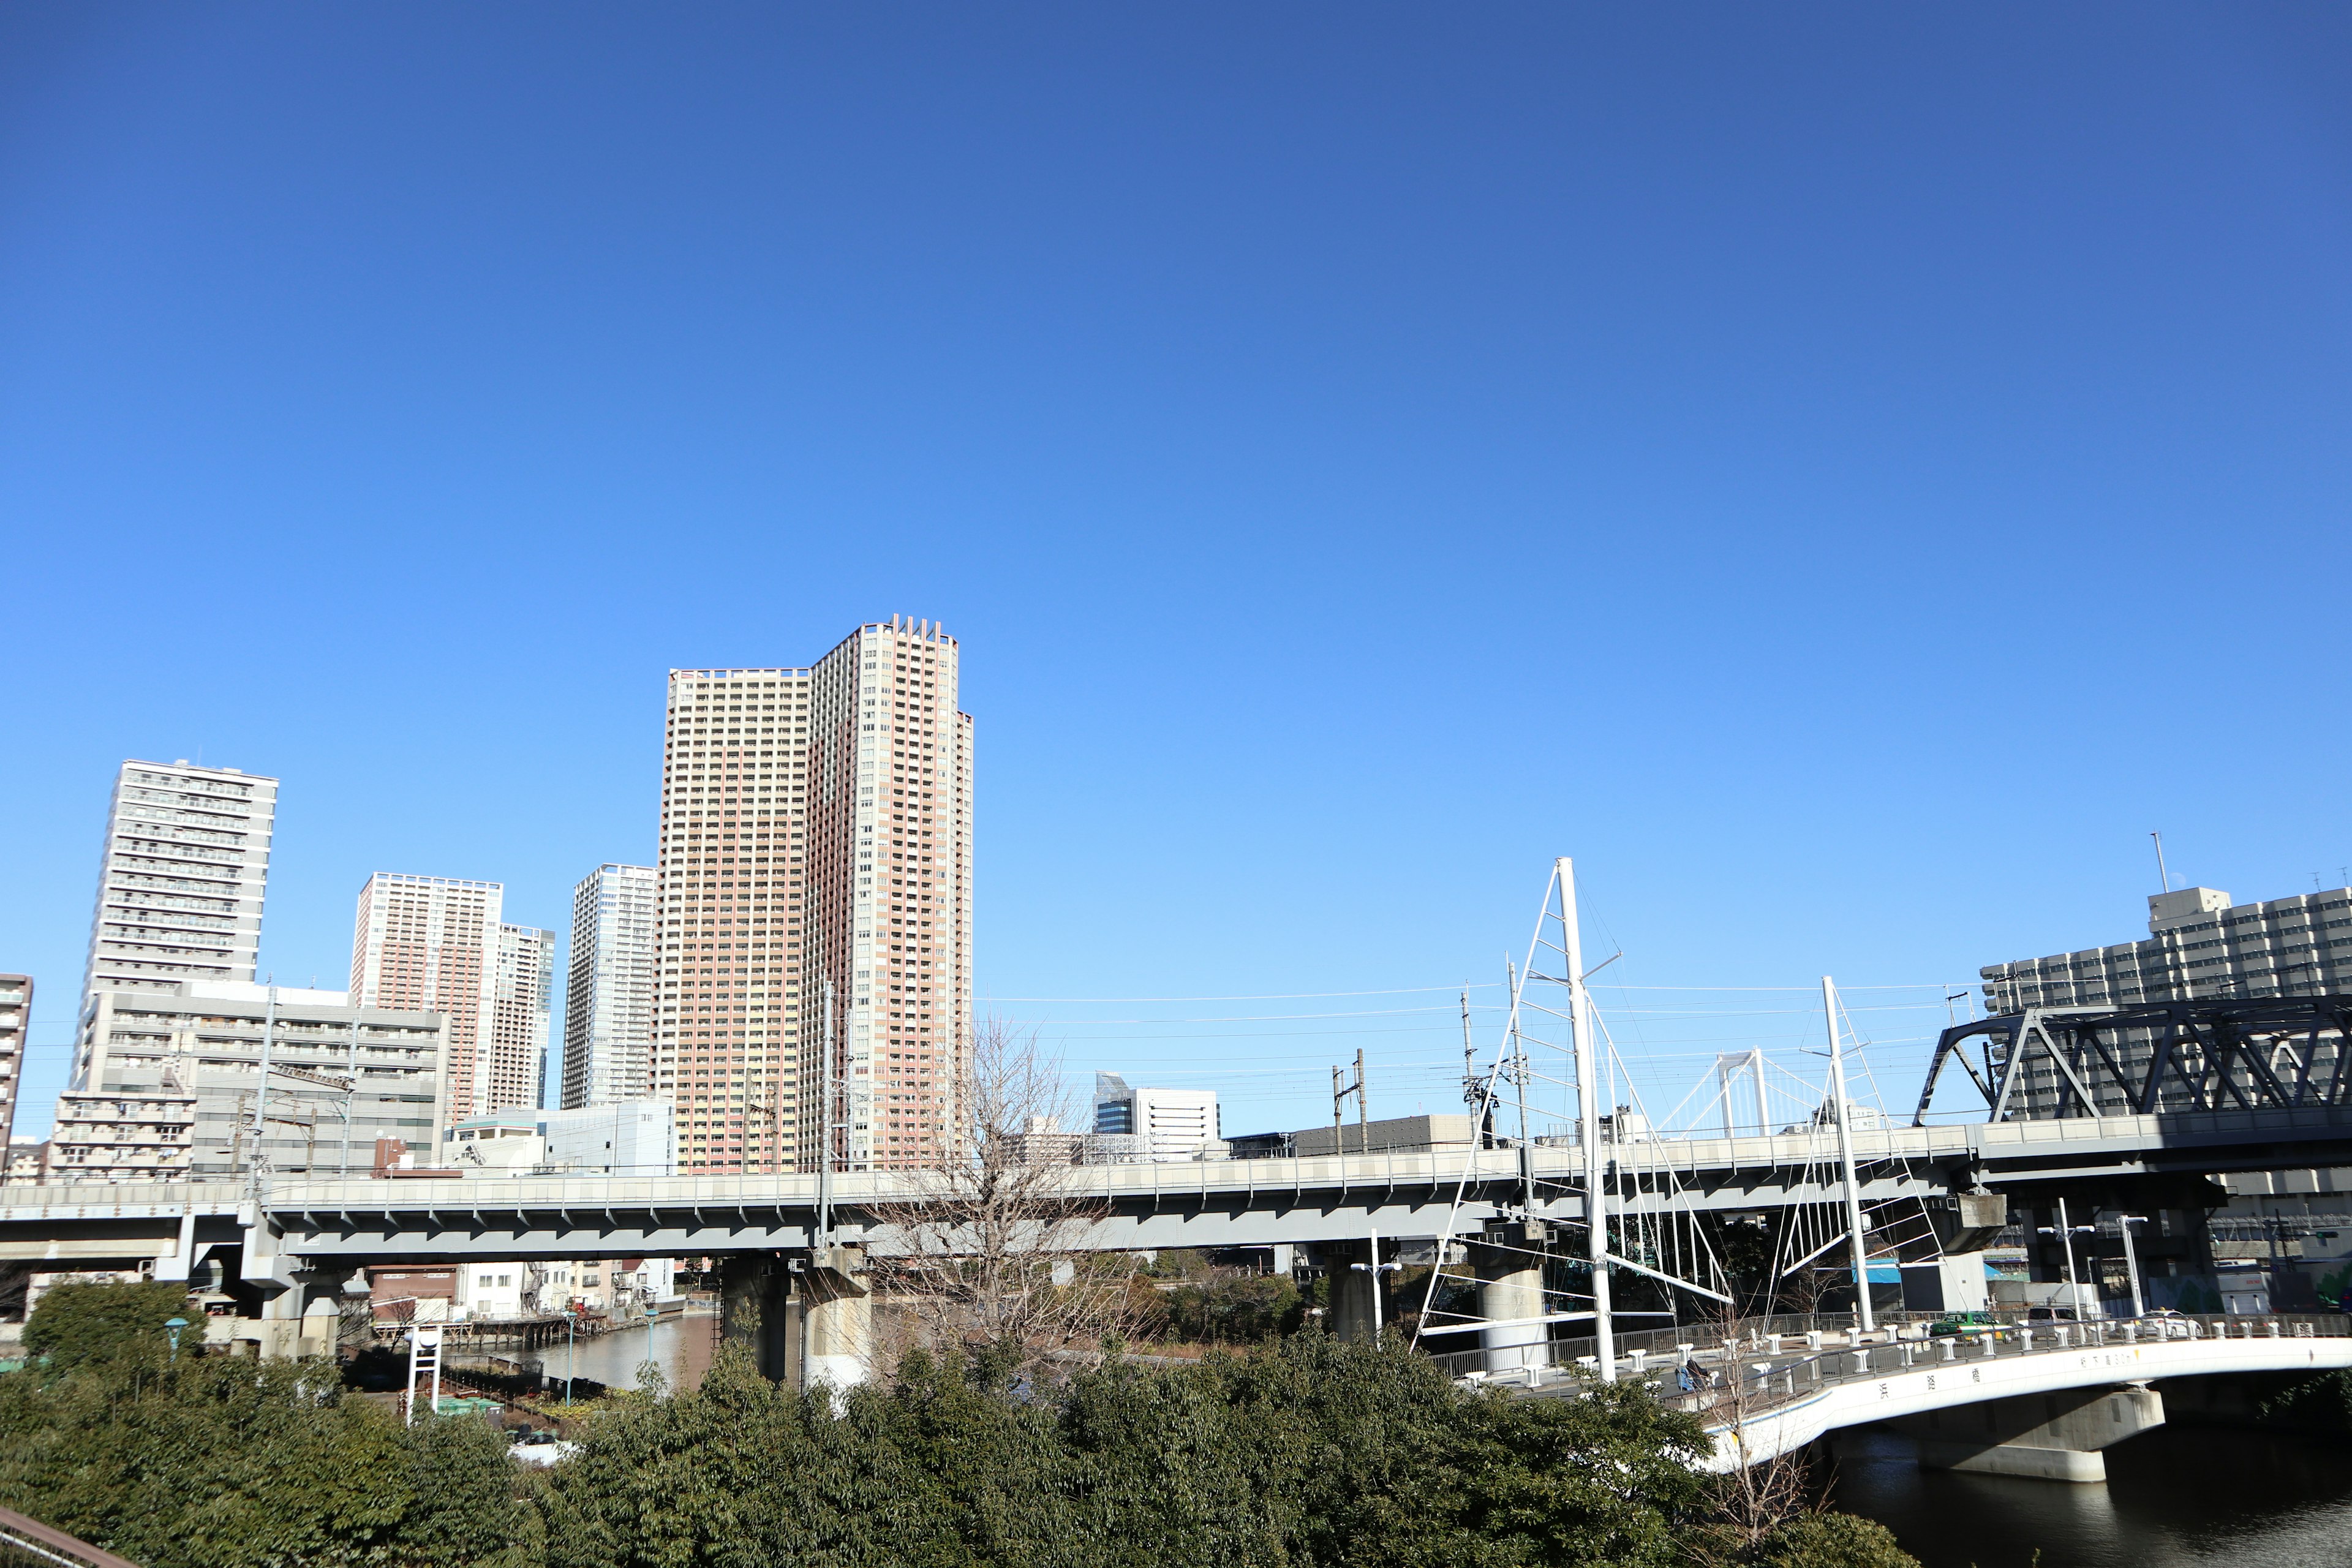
[
  {"x": 991, "y": 1251},
  {"x": 1751, "y": 1500}
]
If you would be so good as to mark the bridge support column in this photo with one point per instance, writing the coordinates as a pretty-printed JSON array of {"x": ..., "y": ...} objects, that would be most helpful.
[
  {"x": 1349, "y": 1315},
  {"x": 1508, "y": 1259},
  {"x": 754, "y": 1292},
  {"x": 836, "y": 1313},
  {"x": 2045, "y": 1437}
]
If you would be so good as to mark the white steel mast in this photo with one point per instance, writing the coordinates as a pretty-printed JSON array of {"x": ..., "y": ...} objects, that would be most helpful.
[
  {"x": 1588, "y": 1122},
  {"x": 1840, "y": 1106}
]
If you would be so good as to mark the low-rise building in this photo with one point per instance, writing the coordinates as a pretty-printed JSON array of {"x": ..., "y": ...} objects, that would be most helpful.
[
  {"x": 167, "y": 1084},
  {"x": 1174, "y": 1123}
]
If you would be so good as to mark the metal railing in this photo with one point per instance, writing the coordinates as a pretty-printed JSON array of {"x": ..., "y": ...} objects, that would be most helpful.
[
  {"x": 1761, "y": 1365},
  {"x": 28, "y": 1541}
]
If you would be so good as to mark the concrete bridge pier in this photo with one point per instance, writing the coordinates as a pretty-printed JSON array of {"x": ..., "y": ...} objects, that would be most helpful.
[
  {"x": 1349, "y": 1313},
  {"x": 755, "y": 1311},
  {"x": 2045, "y": 1437},
  {"x": 836, "y": 1317},
  {"x": 1508, "y": 1259}
]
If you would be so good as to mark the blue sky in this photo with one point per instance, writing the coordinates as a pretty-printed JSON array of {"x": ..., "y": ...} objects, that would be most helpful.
[{"x": 1844, "y": 475}]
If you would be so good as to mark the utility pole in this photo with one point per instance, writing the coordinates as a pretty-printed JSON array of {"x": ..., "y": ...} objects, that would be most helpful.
[
  {"x": 2066, "y": 1235},
  {"x": 1340, "y": 1089},
  {"x": 351, "y": 1099},
  {"x": 261, "y": 1094},
  {"x": 1588, "y": 1118},
  {"x": 1839, "y": 1108}
]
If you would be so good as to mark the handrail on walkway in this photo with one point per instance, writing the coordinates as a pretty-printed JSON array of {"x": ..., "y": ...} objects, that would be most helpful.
[{"x": 26, "y": 1540}]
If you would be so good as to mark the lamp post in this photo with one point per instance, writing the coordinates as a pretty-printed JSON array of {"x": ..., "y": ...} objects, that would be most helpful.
[
  {"x": 2066, "y": 1234},
  {"x": 1376, "y": 1268},
  {"x": 571, "y": 1351},
  {"x": 2131, "y": 1259},
  {"x": 172, "y": 1327}
]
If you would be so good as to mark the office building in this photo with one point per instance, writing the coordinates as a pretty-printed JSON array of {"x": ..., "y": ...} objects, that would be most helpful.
[
  {"x": 2200, "y": 946},
  {"x": 435, "y": 944},
  {"x": 1169, "y": 1124},
  {"x": 817, "y": 906},
  {"x": 522, "y": 1018},
  {"x": 168, "y": 1085},
  {"x": 608, "y": 1004},
  {"x": 16, "y": 1022},
  {"x": 180, "y": 879}
]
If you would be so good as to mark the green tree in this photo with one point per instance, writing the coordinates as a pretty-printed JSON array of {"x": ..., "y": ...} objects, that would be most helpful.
[{"x": 80, "y": 1324}]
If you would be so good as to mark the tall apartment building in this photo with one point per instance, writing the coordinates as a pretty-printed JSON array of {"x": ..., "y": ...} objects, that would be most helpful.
[
  {"x": 608, "y": 1005},
  {"x": 182, "y": 878},
  {"x": 436, "y": 944},
  {"x": 16, "y": 1022},
  {"x": 168, "y": 1085},
  {"x": 523, "y": 1021},
  {"x": 817, "y": 906},
  {"x": 2199, "y": 946}
]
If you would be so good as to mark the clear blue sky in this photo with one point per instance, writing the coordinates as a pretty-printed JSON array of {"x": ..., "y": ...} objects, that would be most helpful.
[{"x": 1844, "y": 474}]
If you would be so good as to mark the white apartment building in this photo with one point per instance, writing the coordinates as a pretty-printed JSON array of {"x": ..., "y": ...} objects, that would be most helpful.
[
  {"x": 436, "y": 944},
  {"x": 608, "y": 1005},
  {"x": 2199, "y": 946},
  {"x": 169, "y": 1085},
  {"x": 1169, "y": 1123},
  {"x": 523, "y": 1021},
  {"x": 817, "y": 906},
  {"x": 181, "y": 879},
  {"x": 16, "y": 1020}
]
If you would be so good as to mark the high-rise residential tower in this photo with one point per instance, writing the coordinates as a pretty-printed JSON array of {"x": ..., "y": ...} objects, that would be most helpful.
[
  {"x": 608, "y": 1005},
  {"x": 817, "y": 906},
  {"x": 16, "y": 1018},
  {"x": 181, "y": 882},
  {"x": 523, "y": 1019},
  {"x": 434, "y": 944}
]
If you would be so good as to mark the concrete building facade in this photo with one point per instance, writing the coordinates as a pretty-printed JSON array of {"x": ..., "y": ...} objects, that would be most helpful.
[
  {"x": 522, "y": 1018},
  {"x": 168, "y": 1086},
  {"x": 608, "y": 1002},
  {"x": 16, "y": 1023},
  {"x": 2200, "y": 946},
  {"x": 815, "y": 841},
  {"x": 182, "y": 879},
  {"x": 432, "y": 944}
]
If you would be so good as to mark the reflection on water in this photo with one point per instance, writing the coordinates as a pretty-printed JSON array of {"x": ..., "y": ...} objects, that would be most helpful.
[
  {"x": 2175, "y": 1497},
  {"x": 681, "y": 1347}
]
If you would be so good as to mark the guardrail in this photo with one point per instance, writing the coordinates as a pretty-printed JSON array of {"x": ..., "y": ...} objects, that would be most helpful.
[
  {"x": 23, "y": 1540},
  {"x": 1759, "y": 1369}
]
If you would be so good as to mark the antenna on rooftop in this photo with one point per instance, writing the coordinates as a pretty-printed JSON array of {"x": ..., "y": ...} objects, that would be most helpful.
[{"x": 2163, "y": 878}]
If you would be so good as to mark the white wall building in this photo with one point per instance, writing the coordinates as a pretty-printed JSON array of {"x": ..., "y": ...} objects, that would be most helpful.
[
  {"x": 1174, "y": 1123},
  {"x": 608, "y": 1005},
  {"x": 628, "y": 1138},
  {"x": 181, "y": 879}
]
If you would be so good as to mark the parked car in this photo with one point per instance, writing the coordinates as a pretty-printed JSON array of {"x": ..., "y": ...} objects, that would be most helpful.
[
  {"x": 2052, "y": 1315},
  {"x": 1965, "y": 1324}
]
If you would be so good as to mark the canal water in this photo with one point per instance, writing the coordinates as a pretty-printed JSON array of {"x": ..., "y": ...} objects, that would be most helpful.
[
  {"x": 2178, "y": 1497},
  {"x": 680, "y": 1347}
]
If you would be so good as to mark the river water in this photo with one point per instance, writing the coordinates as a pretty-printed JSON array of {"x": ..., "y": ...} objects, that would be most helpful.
[
  {"x": 2178, "y": 1497},
  {"x": 680, "y": 1347}
]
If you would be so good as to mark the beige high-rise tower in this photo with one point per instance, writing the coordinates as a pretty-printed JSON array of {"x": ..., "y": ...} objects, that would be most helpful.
[
  {"x": 436, "y": 944},
  {"x": 815, "y": 830}
]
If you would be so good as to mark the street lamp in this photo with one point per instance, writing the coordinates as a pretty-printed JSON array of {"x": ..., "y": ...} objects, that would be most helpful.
[
  {"x": 2131, "y": 1259},
  {"x": 172, "y": 1327},
  {"x": 2066, "y": 1234},
  {"x": 1376, "y": 1268}
]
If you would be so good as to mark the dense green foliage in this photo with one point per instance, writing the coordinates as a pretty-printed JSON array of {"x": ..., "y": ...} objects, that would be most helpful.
[
  {"x": 77, "y": 1325},
  {"x": 1313, "y": 1452},
  {"x": 1318, "y": 1452},
  {"x": 221, "y": 1462}
]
